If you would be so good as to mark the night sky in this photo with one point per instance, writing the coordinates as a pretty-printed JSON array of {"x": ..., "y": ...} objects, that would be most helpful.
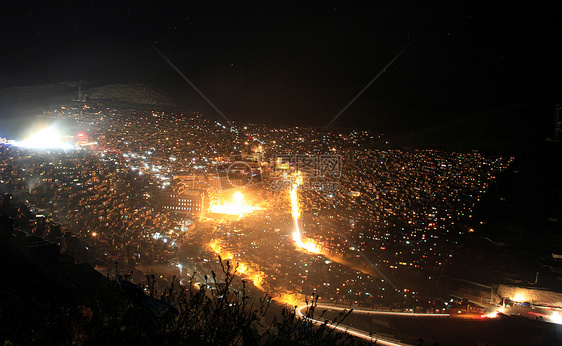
[{"x": 290, "y": 63}]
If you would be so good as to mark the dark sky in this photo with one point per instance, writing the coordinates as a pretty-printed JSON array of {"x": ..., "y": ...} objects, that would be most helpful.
[{"x": 297, "y": 63}]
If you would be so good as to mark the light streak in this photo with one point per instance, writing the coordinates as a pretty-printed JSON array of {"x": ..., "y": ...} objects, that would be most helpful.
[
  {"x": 190, "y": 83},
  {"x": 556, "y": 318},
  {"x": 374, "y": 312},
  {"x": 368, "y": 85},
  {"x": 357, "y": 333},
  {"x": 308, "y": 244}
]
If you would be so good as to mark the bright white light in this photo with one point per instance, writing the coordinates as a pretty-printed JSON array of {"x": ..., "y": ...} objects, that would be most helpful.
[
  {"x": 235, "y": 207},
  {"x": 238, "y": 197},
  {"x": 492, "y": 314},
  {"x": 556, "y": 318},
  {"x": 47, "y": 138}
]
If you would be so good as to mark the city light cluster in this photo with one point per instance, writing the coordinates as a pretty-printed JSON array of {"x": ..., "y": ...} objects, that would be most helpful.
[{"x": 393, "y": 209}]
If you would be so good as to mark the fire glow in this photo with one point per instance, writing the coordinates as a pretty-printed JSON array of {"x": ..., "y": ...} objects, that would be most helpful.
[
  {"x": 256, "y": 277},
  {"x": 237, "y": 206}
]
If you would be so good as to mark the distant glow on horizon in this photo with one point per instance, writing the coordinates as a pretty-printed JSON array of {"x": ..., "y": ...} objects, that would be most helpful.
[{"x": 46, "y": 138}]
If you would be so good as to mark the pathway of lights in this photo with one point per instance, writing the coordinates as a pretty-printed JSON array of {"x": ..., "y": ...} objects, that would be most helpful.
[
  {"x": 308, "y": 244},
  {"x": 253, "y": 275}
]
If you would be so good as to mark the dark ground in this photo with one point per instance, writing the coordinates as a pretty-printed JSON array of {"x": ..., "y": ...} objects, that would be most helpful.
[
  {"x": 517, "y": 225},
  {"x": 507, "y": 330}
]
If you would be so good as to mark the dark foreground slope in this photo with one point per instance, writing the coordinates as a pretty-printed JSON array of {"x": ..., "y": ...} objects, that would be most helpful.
[{"x": 46, "y": 299}]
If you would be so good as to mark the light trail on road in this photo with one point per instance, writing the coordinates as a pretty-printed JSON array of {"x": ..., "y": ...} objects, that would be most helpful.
[
  {"x": 356, "y": 333},
  {"x": 374, "y": 312},
  {"x": 362, "y": 334}
]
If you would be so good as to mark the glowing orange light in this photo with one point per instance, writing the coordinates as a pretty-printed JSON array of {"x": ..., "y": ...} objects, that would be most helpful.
[
  {"x": 242, "y": 268},
  {"x": 256, "y": 277},
  {"x": 237, "y": 206},
  {"x": 308, "y": 244},
  {"x": 289, "y": 299},
  {"x": 238, "y": 197},
  {"x": 493, "y": 314},
  {"x": 216, "y": 247}
]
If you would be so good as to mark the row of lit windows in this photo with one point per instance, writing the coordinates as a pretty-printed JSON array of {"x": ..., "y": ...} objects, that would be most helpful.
[{"x": 180, "y": 208}]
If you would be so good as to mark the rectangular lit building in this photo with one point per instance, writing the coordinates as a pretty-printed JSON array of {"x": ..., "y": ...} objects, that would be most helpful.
[{"x": 190, "y": 202}]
